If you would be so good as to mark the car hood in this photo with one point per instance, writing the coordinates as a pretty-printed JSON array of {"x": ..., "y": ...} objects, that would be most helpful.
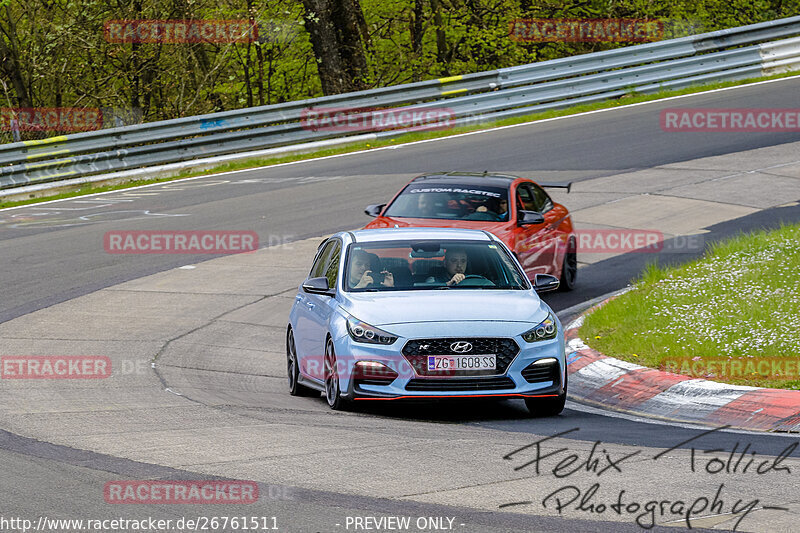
[
  {"x": 389, "y": 222},
  {"x": 454, "y": 305}
]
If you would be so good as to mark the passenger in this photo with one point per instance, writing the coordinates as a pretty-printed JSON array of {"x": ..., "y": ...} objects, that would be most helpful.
[
  {"x": 455, "y": 265},
  {"x": 361, "y": 275}
]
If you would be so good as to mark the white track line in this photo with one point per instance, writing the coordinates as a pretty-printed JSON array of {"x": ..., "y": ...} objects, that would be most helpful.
[{"x": 395, "y": 147}]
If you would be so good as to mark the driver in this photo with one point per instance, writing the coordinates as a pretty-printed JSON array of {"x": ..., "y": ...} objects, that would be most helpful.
[
  {"x": 502, "y": 208},
  {"x": 501, "y": 211},
  {"x": 361, "y": 275},
  {"x": 455, "y": 264}
]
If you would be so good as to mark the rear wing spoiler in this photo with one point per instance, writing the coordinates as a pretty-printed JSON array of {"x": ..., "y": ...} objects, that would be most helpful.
[{"x": 548, "y": 185}]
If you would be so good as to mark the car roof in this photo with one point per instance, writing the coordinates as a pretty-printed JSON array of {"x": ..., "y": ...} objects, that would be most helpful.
[
  {"x": 468, "y": 178},
  {"x": 413, "y": 234}
]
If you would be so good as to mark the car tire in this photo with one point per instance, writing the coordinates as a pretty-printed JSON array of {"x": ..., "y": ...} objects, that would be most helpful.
[
  {"x": 544, "y": 407},
  {"x": 569, "y": 268},
  {"x": 333, "y": 394},
  {"x": 293, "y": 370}
]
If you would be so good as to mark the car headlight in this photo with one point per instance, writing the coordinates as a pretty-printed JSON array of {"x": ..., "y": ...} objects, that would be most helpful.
[
  {"x": 362, "y": 332},
  {"x": 544, "y": 331}
]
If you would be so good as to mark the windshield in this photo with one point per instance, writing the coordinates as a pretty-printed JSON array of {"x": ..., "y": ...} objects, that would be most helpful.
[
  {"x": 448, "y": 201},
  {"x": 430, "y": 265}
]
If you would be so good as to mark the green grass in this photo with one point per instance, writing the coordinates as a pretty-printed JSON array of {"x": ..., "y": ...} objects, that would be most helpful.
[
  {"x": 628, "y": 99},
  {"x": 740, "y": 303}
]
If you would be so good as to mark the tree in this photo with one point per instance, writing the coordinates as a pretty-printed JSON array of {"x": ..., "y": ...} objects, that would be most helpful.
[
  {"x": 338, "y": 36},
  {"x": 10, "y": 66}
]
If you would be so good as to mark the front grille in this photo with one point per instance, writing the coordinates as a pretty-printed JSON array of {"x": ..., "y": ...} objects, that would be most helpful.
[
  {"x": 416, "y": 352},
  {"x": 534, "y": 373},
  {"x": 460, "y": 384}
]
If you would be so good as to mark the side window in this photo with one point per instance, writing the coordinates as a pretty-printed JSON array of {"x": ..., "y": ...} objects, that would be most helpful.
[
  {"x": 318, "y": 269},
  {"x": 332, "y": 264},
  {"x": 542, "y": 199},
  {"x": 525, "y": 199}
]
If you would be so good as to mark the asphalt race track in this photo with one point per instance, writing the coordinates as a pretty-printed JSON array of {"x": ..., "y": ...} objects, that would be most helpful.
[{"x": 51, "y": 254}]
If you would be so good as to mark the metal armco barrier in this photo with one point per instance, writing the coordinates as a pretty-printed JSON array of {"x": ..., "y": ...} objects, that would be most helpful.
[{"x": 733, "y": 54}]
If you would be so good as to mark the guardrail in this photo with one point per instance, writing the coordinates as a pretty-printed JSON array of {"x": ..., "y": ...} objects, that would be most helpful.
[{"x": 485, "y": 96}]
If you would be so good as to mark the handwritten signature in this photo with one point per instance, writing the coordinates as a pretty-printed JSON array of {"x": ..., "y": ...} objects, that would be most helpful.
[{"x": 563, "y": 463}]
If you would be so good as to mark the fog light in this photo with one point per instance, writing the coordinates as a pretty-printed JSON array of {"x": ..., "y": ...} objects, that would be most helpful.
[{"x": 374, "y": 371}]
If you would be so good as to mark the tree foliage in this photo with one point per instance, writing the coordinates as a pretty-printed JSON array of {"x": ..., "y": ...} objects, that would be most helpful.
[{"x": 54, "y": 53}]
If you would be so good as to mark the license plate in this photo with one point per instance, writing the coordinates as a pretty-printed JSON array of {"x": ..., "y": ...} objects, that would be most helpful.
[{"x": 437, "y": 363}]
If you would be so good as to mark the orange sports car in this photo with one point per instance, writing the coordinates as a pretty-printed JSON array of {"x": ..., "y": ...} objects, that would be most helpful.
[{"x": 517, "y": 210}]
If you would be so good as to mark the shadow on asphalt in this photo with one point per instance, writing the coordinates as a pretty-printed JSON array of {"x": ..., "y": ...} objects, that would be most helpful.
[
  {"x": 446, "y": 411},
  {"x": 513, "y": 416}
]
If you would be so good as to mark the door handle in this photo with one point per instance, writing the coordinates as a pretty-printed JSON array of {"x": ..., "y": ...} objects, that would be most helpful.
[{"x": 310, "y": 305}]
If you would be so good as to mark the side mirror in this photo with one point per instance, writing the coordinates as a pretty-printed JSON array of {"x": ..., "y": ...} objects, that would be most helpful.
[
  {"x": 374, "y": 210},
  {"x": 545, "y": 283},
  {"x": 529, "y": 217},
  {"x": 317, "y": 286}
]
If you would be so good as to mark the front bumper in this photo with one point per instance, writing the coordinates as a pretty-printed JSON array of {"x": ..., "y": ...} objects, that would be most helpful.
[
  {"x": 357, "y": 393},
  {"x": 519, "y": 378}
]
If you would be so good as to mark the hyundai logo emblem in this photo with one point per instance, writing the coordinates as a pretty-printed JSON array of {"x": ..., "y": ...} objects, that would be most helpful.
[{"x": 461, "y": 347}]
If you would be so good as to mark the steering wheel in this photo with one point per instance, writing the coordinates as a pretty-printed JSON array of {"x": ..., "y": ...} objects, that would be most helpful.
[
  {"x": 482, "y": 215},
  {"x": 475, "y": 280}
]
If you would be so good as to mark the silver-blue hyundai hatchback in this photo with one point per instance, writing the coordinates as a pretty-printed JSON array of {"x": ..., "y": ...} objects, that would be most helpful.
[{"x": 424, "y": 313}]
